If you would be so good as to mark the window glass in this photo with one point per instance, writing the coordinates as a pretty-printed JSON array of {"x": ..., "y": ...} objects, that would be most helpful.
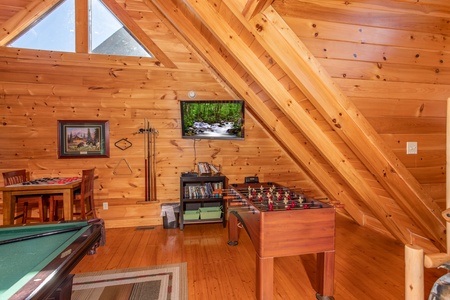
[
  {"x": 109, "y": 36},
  {"x": 54, "y": 31}
]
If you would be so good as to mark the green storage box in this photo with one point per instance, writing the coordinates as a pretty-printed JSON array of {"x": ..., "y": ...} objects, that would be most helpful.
[
  {"x": 191, "y": 215},
  {"x": 210, "y": 212}
]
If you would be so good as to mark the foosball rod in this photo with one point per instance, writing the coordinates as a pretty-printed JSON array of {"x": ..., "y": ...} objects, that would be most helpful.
[{"x": 233, "y": 197}]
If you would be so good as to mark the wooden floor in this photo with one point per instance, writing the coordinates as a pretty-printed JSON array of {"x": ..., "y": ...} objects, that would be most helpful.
[{"x": 368, "y": 265}]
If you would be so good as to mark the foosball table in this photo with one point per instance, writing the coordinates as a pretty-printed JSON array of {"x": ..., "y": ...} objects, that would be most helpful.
[{"x": 283, "y": 223}]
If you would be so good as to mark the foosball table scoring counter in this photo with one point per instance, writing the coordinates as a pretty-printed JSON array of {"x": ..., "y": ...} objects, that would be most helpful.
[{"x": 283, "y": 223}]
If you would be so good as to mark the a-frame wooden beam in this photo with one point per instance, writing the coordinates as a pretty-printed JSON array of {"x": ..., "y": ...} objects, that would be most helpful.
[
  {"x": 253, "y": 7},
  {"x": 427, "y": 220},
  {"x": 296, "y": 150}
]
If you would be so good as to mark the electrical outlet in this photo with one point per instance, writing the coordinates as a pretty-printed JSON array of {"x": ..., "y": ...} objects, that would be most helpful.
[
  {"x": 105, "y": 205},
  {"x": 411, "y": 147}
]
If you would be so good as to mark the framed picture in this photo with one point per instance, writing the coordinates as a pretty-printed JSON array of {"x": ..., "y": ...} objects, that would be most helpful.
[{"x": 78, "y": 139}]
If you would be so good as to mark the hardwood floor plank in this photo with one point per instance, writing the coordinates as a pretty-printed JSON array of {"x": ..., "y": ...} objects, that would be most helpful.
[
  {"x": 369, "y": 265},
  {"x": 132, "y": 247},
  {"x": 141, "y": 249},
  {"x": 122, "y": 250}
]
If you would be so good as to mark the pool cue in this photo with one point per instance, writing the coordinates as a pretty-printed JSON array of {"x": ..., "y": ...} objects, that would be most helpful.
[
  {"x": 153, "y": 164},
  {"x": 147, "y": 161},
  {"x": 38, "y": 235}
]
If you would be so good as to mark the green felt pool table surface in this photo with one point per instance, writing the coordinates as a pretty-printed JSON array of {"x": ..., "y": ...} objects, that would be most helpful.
[{"x": 33, "y": 267}]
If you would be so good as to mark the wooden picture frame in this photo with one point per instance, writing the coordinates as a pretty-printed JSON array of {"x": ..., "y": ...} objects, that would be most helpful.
[{"x": 83, "y": 138}]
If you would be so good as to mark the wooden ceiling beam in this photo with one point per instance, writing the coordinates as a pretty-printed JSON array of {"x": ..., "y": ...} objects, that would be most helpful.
[
  {"x": 24, "y": 18},
  {"x": 253, "y": 7},
  {"x": 302, "y": 67},
  {"x": 277, "y": 130}
]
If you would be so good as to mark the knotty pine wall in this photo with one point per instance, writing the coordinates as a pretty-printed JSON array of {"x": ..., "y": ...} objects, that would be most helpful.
[
  {"x": 396, "y": 71},
  {"x": 40, "y": 87}
]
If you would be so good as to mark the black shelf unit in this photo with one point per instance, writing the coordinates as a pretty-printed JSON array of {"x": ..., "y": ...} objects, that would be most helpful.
[{"x": 196, "y": 199}]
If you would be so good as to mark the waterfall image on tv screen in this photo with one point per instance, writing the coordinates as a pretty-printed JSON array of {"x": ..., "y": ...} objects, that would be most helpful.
[{"x": 212, "y": 119}]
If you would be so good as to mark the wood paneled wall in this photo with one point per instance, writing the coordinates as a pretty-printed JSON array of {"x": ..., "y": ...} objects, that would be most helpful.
[{"x": 40, "y": 87}]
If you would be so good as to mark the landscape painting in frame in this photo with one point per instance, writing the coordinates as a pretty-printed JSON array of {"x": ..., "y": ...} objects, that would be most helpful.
[{"x": 78, "y": 139}]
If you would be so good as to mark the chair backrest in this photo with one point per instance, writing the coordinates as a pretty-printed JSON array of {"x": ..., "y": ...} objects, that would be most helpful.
[
  {"x": 14, "y": 177},
  {"x": 87, "y": 193}
]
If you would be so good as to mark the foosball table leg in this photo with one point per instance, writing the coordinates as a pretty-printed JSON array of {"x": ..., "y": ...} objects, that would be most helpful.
[
  {"x": 320, "y": 297},
  {"x": 233, "y": 231}
]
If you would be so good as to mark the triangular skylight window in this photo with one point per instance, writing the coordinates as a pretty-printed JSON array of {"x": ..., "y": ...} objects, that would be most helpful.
[
  {"x": 109, "y": 36},
  {"x": 56, "y": 31}
]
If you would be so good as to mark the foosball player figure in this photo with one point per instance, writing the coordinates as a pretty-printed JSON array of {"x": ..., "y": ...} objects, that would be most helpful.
[
  {"x": 260, "y": 197},
  {"x": 270, "y": 204},
  {"x": 279, "y": 197}
]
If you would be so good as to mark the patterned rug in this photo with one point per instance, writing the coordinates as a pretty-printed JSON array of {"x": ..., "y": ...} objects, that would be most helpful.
[{"x": 165, "y": 282}]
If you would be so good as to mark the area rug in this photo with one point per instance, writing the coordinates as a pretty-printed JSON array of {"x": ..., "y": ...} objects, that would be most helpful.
[{"x": 164, "y": 282}]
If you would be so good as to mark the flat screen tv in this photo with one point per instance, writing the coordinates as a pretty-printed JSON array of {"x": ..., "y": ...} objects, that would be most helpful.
[{"x": 212, "y": 119}]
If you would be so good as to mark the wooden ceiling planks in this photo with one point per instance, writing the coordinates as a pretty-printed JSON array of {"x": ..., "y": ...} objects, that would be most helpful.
[
  {"x": 384, "y": 14},
  {"x": 322, "y": 89}
]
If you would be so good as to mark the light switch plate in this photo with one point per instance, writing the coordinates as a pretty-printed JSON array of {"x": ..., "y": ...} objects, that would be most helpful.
[{"x": 411, "y": 147}]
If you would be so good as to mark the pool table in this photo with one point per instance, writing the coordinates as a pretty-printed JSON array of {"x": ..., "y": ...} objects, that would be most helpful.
[{"x": 36, "y": 259}]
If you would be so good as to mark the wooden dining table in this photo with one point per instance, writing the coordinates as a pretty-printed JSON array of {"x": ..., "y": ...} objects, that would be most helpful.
[{"x": 42, "y": 186}]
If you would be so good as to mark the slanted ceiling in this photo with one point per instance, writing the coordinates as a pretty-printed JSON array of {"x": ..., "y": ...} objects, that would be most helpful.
[{"x": 324, "y": 78}]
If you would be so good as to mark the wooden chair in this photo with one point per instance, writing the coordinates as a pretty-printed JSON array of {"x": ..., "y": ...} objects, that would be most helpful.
[
  {"x": 85, "y": 197},
  {"x": 19, "y": 176}
]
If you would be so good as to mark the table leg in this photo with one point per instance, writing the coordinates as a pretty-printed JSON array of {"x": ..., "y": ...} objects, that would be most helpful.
[
  {"x": 264, "y": 278},
  {"x": 68, "y": 204},
  {"x": 8, "y": 208},
  {"x": 325, "y": 273},
  {"x": 233, "y": 233}
]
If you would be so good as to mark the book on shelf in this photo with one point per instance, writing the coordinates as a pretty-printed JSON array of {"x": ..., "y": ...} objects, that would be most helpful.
[
  {"x": 203, "y": 168},
  {"x": 214, "y": 169},
  {"x": 207, "y": 190}
]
